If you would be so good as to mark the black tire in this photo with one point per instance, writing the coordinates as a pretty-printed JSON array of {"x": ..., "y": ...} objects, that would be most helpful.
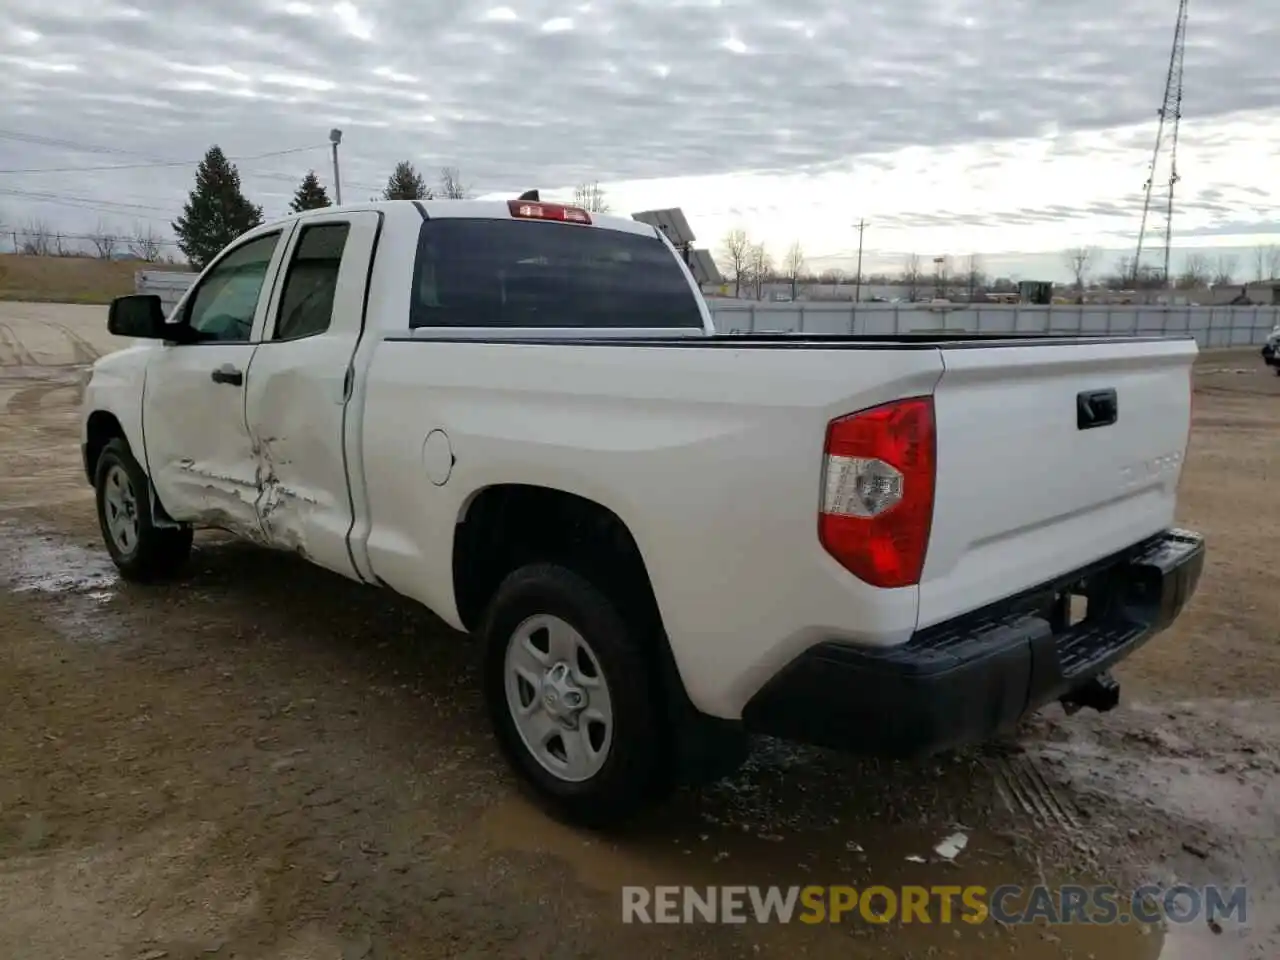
[
  {"x": 634, "y": 773},
  {"x": 155, "y": 553}
]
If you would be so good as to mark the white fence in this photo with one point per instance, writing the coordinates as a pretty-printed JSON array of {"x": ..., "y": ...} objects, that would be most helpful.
[
  {"x": 168, "y": 285},
  {"x": 1211, "y": 326}
]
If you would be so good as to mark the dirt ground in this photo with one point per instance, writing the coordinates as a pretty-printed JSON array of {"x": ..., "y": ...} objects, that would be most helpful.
[{"x": 265, "y": 761}]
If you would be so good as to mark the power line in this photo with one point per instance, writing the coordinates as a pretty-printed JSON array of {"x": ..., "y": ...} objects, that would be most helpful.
[
  {"x": 41, "y": 141},
  {"x": 150, "y": 162},
  {"x": 85, "y": 203},
  {"x": 57, "y": 234},
  {"x": 166, "y": 163},
  {"x": 41, "y": 195}
]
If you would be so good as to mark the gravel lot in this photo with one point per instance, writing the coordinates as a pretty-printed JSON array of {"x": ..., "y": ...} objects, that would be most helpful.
[{"x": 266, "y": 761}]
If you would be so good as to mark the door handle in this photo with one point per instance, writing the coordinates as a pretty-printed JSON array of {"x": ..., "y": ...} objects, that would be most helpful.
[
  {"x": 227, "y": 374},
  {"x": 1096, "y": 408}
]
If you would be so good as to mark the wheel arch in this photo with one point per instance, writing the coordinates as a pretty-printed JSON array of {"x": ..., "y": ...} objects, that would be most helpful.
[
  {"x": 101, "y": 427},
  {"x": 505, "y": 526}
]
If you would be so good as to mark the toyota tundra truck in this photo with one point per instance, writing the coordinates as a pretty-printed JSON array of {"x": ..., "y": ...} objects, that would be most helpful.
[{"x": 519, "y": 414}]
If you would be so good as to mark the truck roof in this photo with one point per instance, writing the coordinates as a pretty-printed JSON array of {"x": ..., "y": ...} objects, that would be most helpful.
[{"x": 463, "y": 209}]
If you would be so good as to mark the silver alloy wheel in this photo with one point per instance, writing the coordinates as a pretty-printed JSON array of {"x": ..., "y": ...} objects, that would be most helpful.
[
  {"x": 120, "y": 504},
  {"x": 558, "y": 698}
]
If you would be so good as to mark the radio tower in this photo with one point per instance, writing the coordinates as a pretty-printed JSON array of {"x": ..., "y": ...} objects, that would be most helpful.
[{"x": 1170, "y": 113}]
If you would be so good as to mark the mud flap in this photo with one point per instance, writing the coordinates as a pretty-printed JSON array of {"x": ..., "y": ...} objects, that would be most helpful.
[{"x": 159, "y": 516}]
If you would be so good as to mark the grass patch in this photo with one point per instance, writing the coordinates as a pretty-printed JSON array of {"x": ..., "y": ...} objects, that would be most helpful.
[{"x": 70, "y": 279}]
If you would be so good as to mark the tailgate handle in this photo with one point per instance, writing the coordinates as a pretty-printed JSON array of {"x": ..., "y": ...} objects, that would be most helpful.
[{"x": 1096, "y": 408}]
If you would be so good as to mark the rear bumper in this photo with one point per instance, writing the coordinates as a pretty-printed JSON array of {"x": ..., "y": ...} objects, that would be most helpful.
[{"x": 967, "y": 679}]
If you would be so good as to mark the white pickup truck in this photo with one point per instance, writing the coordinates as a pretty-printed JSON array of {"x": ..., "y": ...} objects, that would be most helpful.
[{"x": 519, "y": 414}]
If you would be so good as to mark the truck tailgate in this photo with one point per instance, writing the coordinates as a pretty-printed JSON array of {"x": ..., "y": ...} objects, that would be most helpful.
[{"x": 1034, "y": 479}]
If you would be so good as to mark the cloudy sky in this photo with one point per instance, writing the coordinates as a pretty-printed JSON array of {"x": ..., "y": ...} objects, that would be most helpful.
[{"x": 1011, "y": 128}]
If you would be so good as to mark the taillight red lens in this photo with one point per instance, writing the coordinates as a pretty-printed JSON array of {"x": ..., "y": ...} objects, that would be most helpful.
[
  {"x": 558, "y": 212},
  {"x": 877, "y": 501}
]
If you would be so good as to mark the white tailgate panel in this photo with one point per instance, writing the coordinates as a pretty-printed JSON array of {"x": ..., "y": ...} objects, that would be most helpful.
[{"x": 1023, "y": 494}]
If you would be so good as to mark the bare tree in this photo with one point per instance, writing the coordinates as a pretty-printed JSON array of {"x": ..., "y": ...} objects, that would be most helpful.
[
  {"x": 37, "y": 239},
  {"x": 793, "y": 266},
  {"x": 1266, "y": 262},
  {"x": 911, "y": 275},
  {"x": 1122, "y": 277},
  {"x": 1224, "y": 271},
  {"x": 105, "y": 241},
  {"x": 1078, "y": 260},
  {"x": 451, "y": 186},
  {"x": 760, "y": 266},
  {"x": 973, "y": 274},
  {"x": 831, "y": 277},
  {"x": 145, "y": 243},
  {"x": 735, "y": 251},
  {"x": 1196, "y": 271},
  {"x": 590, "y": 196}
]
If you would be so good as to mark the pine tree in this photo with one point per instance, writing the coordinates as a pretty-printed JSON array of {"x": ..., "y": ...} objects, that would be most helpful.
[
  {"x": 311, "y": 195},
  {"x": 216, "y": 212},
  {"x": 405, "y": 183}
]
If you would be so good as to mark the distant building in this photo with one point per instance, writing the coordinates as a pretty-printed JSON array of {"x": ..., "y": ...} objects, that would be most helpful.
[{"x": 1264, "y": 294}]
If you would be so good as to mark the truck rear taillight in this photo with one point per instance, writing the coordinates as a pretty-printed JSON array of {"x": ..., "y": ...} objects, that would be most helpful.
[{"x": 877, "y": 498}]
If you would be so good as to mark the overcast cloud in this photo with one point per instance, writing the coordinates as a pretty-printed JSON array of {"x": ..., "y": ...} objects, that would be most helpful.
[{"x": 536, "y": 93}]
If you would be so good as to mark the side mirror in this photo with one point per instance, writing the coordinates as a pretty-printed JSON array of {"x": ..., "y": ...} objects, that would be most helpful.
[{"x": 140, "y": 315}]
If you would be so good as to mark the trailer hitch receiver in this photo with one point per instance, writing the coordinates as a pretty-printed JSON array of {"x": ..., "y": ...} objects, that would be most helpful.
[{"x": 1101, "y": 693}]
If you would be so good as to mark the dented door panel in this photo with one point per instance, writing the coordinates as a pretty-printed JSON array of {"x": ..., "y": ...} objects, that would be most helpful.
[
  {"x": 197, "y": 440},
  {"x": 198, "y": 450},
  {"x": 300, "y": 384}
]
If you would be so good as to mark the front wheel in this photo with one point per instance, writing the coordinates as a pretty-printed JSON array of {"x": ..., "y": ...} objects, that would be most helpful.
[
  {"x": 141, "y": 550},
  {"x": 572, "y": 697}
]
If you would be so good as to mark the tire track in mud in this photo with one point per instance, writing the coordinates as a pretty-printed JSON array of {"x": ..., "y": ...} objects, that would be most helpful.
[
  {"x": 83, "y": 352},
  {"x": 13, "y": 353},
  {"x": 49, "y": 378},
  {"x": 1026, "y": 792},
  {"x": 28, "y": 400}
]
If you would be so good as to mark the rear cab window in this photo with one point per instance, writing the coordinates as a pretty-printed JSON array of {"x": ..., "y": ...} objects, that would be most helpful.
[{"x": 521, "y": 274}]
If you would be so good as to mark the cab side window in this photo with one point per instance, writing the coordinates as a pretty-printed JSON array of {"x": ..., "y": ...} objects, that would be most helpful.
[
  {"x": 222, "y": 308},
  {"x": 311, "y": 282}
]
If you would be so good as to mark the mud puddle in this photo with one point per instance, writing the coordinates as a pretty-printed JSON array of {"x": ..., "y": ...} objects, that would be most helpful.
[
  {"x": 1196, "y": 788},
  {"x": 1177, "y": 801},
  {"x": 79, "y": 581}
]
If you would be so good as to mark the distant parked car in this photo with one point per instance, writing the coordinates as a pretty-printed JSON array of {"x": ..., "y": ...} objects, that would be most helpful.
[{"x": 1271, "y": 349}]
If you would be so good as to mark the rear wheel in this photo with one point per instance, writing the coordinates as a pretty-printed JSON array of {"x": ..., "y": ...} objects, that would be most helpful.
[
  {"x": 141, "y": 550},
  {"x": 572, "y": 697}
]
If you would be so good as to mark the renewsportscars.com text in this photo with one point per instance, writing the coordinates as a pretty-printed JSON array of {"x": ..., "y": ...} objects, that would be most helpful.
[{"x": 1009, "y": 904}]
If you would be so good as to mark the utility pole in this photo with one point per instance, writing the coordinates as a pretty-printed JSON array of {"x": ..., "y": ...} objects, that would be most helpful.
[
  {"x": 1170, "y": 114},
  {"x": 335, "y": 138},
  {"x": 857, "y": 290}
]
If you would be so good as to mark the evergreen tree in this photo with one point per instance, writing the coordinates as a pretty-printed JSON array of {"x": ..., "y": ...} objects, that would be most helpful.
[
  {"x": 405, "y": 183},
  {"x": 216, "y": 212},
  {"x": 311, "y": 195}
]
